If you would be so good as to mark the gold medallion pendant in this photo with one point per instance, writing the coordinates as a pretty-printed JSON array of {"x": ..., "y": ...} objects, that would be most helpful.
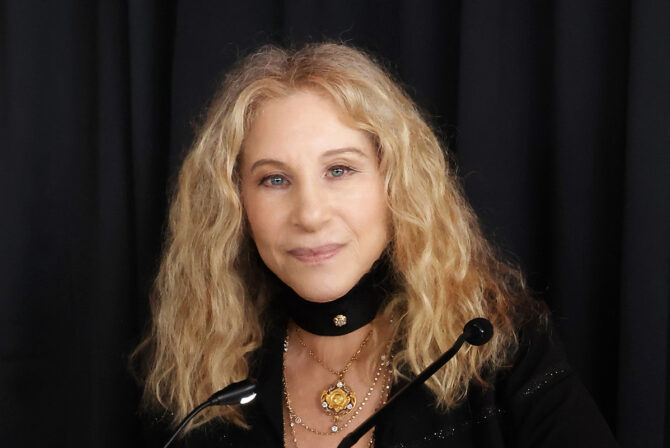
[{"x": 338, "y": 400}]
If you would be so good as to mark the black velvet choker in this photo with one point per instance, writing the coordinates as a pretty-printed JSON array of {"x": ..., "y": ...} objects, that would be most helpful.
[{"x": 343, "y": 315}]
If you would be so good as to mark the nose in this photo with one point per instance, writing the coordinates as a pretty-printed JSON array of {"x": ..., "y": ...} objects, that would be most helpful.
[{"x": 312, "y": 208}]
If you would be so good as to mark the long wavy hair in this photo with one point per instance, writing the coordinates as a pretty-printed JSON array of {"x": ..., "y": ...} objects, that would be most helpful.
[{"x": 208, "y": 300}]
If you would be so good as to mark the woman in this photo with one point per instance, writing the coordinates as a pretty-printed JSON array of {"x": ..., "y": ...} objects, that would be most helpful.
[{"x": 318, "y": 242}]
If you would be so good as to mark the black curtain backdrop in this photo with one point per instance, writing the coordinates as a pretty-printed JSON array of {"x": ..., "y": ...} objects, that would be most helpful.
[{"x": 558, "y": 113}]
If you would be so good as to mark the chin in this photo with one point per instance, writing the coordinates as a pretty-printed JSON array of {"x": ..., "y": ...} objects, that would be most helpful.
[
  {"x": 319, "y": 293},
  {"x": 320, "y": 289}
]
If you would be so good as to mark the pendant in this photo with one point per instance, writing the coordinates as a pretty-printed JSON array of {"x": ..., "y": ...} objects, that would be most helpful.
[{"x": 338, "y": 399}]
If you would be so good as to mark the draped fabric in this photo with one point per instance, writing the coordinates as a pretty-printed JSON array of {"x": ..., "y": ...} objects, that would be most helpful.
[{"x": 558, "y": 114}]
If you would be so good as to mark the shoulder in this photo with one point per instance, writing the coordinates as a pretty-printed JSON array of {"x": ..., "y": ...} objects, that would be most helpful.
[
  {"x": 539, "y": 363},
  {"x": 217, "y": 432},
  {"x": 537, "y": 401},
  {"x": 544, "y": 401},
  {"x": 263, "y": 416}
]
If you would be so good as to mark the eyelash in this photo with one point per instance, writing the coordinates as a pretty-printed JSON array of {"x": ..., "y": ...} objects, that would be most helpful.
[{"x": 347, "y": 170}]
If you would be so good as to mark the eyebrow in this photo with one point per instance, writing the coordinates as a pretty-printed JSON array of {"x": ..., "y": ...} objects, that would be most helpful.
[{"x": 329, "y": 153}]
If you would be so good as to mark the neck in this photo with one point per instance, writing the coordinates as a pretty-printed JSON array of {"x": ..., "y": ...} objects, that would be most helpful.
[
  {"x": 334, "y": 350},
  {"x": 351, "y": 312}
]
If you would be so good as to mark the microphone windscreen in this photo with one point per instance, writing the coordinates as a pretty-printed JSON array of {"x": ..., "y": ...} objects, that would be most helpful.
[
  {"x": 234, "y": 393},
  {"x": 478, "y": 331}
]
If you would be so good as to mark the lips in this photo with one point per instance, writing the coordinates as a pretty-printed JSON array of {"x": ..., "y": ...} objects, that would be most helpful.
[{"x": 316, "y": 254}]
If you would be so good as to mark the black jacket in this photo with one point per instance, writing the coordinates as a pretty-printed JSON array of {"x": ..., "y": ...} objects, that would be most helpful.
[{"x": 538, "y": 402}]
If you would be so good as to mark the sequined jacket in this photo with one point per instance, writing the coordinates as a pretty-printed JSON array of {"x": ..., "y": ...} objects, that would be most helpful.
[{"x": 539, "y": 402}]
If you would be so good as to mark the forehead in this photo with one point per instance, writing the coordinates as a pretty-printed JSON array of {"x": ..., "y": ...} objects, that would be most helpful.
[{"x": 301, "y": 121}]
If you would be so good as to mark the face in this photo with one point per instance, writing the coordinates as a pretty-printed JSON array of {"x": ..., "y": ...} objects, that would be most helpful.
[{"x": 314, "y": 196}]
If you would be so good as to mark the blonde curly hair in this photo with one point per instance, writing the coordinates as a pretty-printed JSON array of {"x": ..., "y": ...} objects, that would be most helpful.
[{"x": 207, "y": 300}]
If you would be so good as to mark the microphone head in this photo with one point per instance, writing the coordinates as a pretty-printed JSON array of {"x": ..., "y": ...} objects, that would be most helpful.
[
  {"x": 478, "y": 331},
  {"x": 236, "y": 393}
]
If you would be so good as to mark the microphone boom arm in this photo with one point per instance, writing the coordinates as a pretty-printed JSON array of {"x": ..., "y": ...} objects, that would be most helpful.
[
  {"x": 364, "y": 427},
  {"x": 476, "y": 332},
  {"x": 241, "y": 392}
]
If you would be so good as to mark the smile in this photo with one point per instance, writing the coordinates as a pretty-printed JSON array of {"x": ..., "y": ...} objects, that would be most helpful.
[{"x": 315, "y": 254}]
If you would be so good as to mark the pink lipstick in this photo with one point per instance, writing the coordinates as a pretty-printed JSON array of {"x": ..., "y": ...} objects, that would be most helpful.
[{"x": 316, "y": 254}]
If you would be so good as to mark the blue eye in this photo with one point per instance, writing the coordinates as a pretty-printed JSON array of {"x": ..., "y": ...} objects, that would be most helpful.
[
  {"x": 274, "y": 180},
  {"x": 338, "y": 171}
]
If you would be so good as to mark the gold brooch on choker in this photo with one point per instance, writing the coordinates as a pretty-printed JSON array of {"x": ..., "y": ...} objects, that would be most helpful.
[{"x": 340, "y": 320}]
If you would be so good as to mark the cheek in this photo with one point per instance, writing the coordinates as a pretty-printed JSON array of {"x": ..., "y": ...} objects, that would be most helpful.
[
  {"x": 253, "y": 211},
  {"x": 264, "y": 223},
  {"x": 370, "y": 213},
  {"x": 258, "y": 224}
]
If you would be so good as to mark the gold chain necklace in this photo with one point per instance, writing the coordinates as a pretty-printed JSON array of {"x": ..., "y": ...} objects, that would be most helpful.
[
  {"x": 294, "y": 419},
  {"x": 338, "y": 399}
]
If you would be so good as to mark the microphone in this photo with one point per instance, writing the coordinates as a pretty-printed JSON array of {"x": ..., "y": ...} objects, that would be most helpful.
[
  {"x": 241, "y": 392},
  {"x": 476, "y": 332}
]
